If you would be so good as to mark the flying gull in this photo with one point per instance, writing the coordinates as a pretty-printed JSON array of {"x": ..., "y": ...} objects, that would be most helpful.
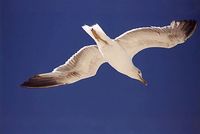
[{"x": 117, "y": 52}]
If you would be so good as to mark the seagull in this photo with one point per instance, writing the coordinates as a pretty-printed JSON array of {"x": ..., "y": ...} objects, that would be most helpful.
[{"x": 117, "y": 52}]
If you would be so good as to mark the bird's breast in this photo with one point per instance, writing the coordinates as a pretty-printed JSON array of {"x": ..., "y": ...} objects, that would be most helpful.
[{"x": 116, "y": 57}]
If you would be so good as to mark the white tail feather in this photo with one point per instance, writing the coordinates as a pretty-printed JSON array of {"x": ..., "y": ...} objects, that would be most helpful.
[{"x": 98, "y": 30}]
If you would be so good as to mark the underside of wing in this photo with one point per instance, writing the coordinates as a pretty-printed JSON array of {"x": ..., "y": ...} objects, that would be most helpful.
[
  {"x": 169, "y": 36},
  {"x": 82, "y": 64}
]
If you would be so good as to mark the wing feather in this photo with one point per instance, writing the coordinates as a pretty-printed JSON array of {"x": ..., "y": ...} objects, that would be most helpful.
[
  {"x": 81, "y": 65},
  {"x": 169, "y": 36}
]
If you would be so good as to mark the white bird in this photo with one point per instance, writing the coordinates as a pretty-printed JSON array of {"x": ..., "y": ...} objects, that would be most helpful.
[{"x": 117, "y": 52}]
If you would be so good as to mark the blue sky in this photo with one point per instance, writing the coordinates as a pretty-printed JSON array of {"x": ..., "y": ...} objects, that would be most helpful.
[{"x": 39, "y": 35}]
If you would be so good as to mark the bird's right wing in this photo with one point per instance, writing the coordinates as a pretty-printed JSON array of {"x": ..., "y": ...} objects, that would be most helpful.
[
  {"x": 82, "y": 64},
  {"x": 169, "y": 36}
]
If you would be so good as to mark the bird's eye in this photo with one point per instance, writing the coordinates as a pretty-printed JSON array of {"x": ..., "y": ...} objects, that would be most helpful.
[{"x": 139, "y": 72}]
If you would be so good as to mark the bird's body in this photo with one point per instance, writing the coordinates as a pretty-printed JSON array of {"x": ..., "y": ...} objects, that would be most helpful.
[
  {"x": 111, "y": 51},
  {"x": 117, "y": 52}
]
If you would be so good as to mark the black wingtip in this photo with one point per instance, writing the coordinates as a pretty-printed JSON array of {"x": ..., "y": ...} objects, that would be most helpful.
[
  {"x": 190, "y": 27},
  {"x": 40, "y": 82},
  {"x": 187, "y": 26}
]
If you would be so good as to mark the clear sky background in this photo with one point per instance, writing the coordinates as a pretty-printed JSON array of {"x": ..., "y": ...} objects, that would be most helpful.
[{"x": 39, "y": 35}]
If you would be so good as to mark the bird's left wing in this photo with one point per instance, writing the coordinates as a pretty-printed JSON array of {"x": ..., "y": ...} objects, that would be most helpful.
[
  {"x": 82, "y": 64},
  {"x": 169, "y": 36}
]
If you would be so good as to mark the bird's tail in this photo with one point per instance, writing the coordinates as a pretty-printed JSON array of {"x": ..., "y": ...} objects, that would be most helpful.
[
  {"x": 96, "y": 32},
  {"x": 43, "y": 81}
]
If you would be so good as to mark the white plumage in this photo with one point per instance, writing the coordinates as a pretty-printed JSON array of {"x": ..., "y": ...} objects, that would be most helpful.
[{"x": 117, "y": 52}]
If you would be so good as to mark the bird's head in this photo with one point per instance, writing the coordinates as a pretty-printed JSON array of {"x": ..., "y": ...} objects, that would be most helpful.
[{"x": 138, "y": 76}]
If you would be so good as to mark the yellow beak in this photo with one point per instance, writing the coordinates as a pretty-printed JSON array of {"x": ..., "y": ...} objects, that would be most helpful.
[{"x": 142, "y": 80}]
